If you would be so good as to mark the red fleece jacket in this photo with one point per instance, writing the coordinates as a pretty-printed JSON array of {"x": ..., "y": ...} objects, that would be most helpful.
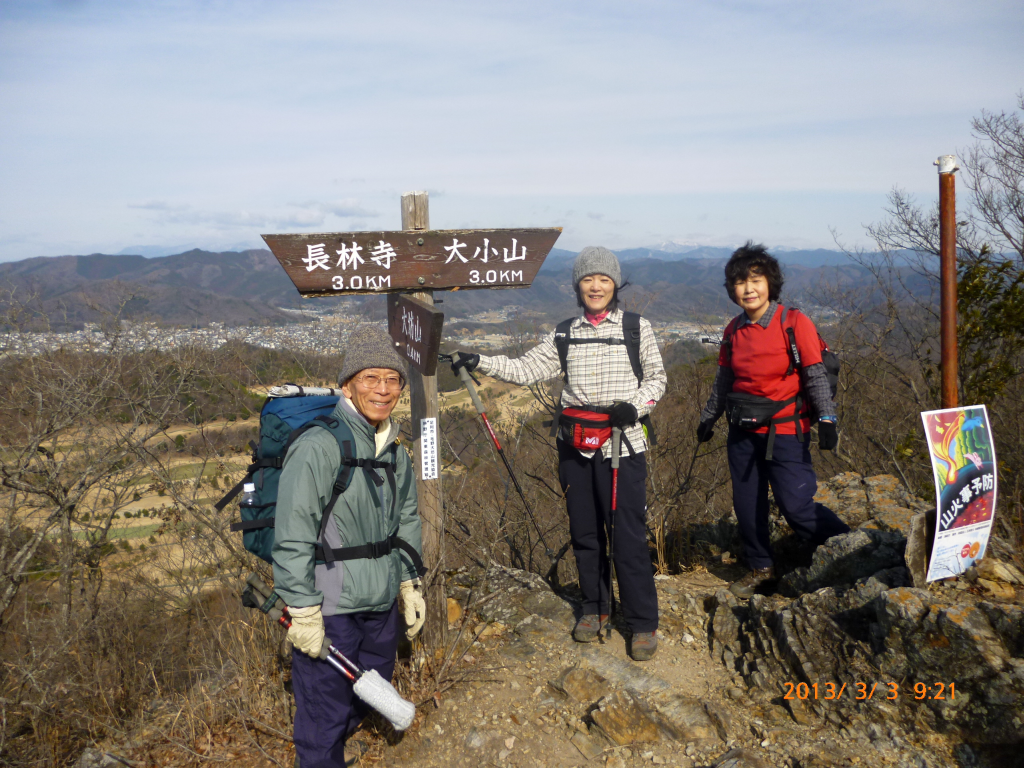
[{"x": 759, "y": 358}]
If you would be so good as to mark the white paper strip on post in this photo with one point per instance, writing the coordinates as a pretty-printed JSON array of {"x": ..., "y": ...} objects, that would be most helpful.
[{"x": 428, "y": 449}]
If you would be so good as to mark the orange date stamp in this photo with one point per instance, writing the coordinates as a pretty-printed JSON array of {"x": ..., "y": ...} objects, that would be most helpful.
[{"x": 868, "y": 691}]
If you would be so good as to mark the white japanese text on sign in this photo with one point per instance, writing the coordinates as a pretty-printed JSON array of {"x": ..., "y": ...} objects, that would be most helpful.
[
  {"x": 428, "y": 449},
  {"x": 350, "y": 259}
]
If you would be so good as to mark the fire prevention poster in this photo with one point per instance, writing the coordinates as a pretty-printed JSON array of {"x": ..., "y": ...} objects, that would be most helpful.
[{"x": 964, "y": 466}]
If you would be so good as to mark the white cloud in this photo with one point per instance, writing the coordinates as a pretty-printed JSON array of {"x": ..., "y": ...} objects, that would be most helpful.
[
  {"x": 295, "y": 216},
  {"x": 343, "y": 209}
]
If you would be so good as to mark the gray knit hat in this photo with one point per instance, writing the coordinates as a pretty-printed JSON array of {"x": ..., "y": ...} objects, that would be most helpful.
[
  {"x": 595, "y": 260},
  {"x": 370, "y": 347}
]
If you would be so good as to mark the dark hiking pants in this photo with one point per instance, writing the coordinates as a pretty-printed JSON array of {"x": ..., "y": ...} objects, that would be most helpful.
[
  {"x": 326, "y": 709},
  {"x": 794, "y": 484},
  {"x": 587, "y": 484}
]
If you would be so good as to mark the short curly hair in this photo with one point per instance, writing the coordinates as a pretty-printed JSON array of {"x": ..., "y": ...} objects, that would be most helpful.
[{"x": 753, "y": 259}]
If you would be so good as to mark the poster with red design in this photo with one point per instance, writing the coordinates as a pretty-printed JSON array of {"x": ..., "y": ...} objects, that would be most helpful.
[{"x": 964, "y": 465}]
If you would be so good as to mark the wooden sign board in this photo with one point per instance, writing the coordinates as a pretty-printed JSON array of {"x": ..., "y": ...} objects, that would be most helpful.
[
  {"x": 416, "y": 329},
  {"x": 331, "y": 264}
]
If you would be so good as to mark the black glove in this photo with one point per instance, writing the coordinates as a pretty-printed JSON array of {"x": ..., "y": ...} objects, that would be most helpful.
[
  {"x": 705, "y": 431},
  {"x": 622, "y": 415},
  {"x": 828, "y": 435},
  {"x": 467, "y": 360}
]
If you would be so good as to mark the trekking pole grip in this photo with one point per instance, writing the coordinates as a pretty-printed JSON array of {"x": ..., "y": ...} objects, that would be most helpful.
[
  {"x": 616, "y": 446},
  {"x": 467, "y": 381}
]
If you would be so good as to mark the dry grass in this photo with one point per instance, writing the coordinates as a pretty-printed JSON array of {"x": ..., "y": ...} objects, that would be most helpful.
[{"x": 150, "y": 650}]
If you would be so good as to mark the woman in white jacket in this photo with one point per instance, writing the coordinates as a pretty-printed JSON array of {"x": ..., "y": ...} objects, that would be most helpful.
[{"x": 601, "y": 380}]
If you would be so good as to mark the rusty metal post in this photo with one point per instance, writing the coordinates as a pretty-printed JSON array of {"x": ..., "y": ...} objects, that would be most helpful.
[
  {"x": 947, "y": 247},
  {"x": 423, "y": 397}
]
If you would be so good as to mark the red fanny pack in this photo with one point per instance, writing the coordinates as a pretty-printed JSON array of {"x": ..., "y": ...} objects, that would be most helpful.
[{"x": 585, "y": 430}]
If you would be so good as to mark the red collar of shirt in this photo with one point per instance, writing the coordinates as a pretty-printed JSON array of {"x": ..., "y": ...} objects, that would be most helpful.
[{"x": 595, "y": 319}]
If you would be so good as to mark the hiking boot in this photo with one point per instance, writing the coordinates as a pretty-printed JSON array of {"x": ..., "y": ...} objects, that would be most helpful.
[
  {"x": 643, "y": 646},
  {"x": 749, "y": 584},
  {"x": 354, "y": 751},
  {"x": 589, "y": 627}
]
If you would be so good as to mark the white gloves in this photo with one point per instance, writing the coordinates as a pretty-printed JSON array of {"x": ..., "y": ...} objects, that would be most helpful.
[
  {"x": 307, "y": 630},
  {"x": 413, "y": 606}
]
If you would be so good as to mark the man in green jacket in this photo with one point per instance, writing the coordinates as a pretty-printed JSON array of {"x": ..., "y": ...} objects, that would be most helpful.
[{"x": 354, "y": 603}]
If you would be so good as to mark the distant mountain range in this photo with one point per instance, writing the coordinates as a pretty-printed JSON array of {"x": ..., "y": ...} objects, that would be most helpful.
[
  {"x": 154, "y": 251},
  {"x": 195, "y": 287},
  {"x": 677, "y": 252},
  {"x": 249, "y": 287}
]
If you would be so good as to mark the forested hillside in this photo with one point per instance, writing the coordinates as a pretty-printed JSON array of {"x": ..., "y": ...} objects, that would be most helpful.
[{"x": 250, "y": 288}]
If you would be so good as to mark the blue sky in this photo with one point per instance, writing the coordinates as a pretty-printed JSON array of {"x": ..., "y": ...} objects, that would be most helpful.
[{"x": 627, "y": 123}]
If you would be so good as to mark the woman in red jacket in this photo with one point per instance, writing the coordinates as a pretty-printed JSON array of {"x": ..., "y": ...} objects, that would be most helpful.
[{"x": 769, "y": 402}]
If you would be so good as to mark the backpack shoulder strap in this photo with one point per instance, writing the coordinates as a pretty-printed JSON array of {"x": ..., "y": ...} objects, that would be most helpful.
[
  {"x": 562, "y": 331},
  {"x": 631, "y": 333},
  {"x": 730, "y": 330},
  {"x": 727, "y": 334},
  {"x": 794, "y": 351},
  {"x": 346, "y": 444}
]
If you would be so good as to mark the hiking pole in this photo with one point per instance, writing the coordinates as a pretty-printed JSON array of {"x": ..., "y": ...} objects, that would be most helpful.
[
  {"x": 467, "y": 381},
  {"x": 616, "y": 446},
  {"x": 367, "y": 684}
]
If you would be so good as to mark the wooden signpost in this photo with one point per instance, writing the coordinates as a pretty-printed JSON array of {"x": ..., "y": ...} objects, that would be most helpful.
[
  {"x": 332, "y": 264},
  {"x": 416, "y": 261},
  {"x": 416, "y": 329}
]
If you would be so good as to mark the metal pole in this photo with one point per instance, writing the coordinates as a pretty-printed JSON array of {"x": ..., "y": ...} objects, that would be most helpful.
[
  {"x": 467, "y": 382},
  {"x": 947, "y": 247},
  {"x": 616, "y": 449}
]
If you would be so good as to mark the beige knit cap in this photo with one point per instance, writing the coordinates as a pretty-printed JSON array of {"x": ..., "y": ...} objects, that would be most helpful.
[{"x": 370, "y": 347}]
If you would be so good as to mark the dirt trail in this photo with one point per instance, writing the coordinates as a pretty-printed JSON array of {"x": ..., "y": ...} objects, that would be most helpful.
[
  {"x": 508, "y": 713},
  {"x": 534, "y": 697}
]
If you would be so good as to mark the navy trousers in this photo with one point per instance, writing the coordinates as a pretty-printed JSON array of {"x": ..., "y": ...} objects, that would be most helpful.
[
  {"x": 587, "y": 484},
  {"x": 326, "y": 709},
  {"x": 793, "y": 482}
]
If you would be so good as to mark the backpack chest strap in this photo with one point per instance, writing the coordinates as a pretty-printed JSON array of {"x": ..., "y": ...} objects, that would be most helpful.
[
  {"x": 368, "y": 466},
  {"x": 575, "y": 340}
]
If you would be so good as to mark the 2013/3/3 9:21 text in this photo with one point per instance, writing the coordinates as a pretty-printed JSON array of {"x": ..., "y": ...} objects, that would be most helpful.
[{"x": 867, "y": 691}]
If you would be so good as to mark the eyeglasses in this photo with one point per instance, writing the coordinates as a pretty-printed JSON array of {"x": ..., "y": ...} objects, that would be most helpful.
[{"x": 372, "y": 381}]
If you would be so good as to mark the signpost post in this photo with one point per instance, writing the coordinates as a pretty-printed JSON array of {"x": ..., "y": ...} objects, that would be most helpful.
[
  {"x": 414, "y": 262},
  {"x": 423, "y": 399}
]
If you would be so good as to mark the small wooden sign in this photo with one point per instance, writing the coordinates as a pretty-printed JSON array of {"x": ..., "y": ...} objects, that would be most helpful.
[
  {"x": 335, "y": 263},
  {"x": 416, "y": 329}
]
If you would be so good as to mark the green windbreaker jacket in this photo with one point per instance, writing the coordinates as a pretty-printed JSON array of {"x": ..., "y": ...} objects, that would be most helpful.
[{"x": 362, "y": 515}]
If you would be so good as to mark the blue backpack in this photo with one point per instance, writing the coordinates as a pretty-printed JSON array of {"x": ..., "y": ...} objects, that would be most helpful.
[{"x": 282, "y": 421}]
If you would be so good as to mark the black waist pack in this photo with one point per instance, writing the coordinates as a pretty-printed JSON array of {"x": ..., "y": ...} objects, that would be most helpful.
[
  {"x": 751, "y": 411},
  {"x": 748, "y": 411}
]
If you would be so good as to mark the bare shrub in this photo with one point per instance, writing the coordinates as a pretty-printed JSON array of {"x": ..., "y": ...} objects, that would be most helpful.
[{"x": 889, "y": 333}]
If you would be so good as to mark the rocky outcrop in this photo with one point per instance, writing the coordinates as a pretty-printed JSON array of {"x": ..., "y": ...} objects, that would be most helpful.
[
  {"x": 849, "y": 640},
  {"x": 847, "y": 664},
  {"x": 94, "y": 758}
]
